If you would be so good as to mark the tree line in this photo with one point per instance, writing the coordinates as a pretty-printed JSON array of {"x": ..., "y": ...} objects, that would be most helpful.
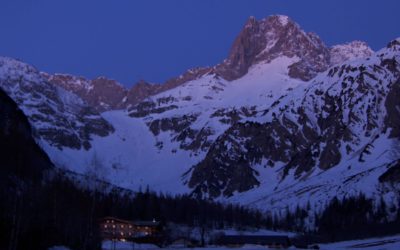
[
  {"x": 57, "y": 212},
  {"x": 349, "y": 218}
]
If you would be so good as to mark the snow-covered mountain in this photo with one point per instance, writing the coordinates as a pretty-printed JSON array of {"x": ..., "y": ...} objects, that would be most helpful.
[
  {"x": 60, "y": 118},
  {"x": 336, "y": 135},
  {"x": 282, "y": 121}
]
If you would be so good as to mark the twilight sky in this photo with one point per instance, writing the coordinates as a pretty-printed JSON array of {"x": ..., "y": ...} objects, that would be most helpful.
[{"x": 128, "y": 40}]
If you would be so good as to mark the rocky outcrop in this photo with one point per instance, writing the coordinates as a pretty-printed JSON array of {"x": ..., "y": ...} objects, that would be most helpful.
[
  {"x": 232, "y": 116},
  {"x": 175, "y": 124}
]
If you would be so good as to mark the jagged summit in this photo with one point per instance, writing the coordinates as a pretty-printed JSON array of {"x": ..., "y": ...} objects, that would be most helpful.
[
  {"x": 270, "y": 38},
  {"x": 279, "y": 35}
]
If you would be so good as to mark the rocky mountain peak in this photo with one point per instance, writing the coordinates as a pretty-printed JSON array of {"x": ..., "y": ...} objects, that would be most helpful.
[
  {"x": 349, "y": 51},
  {"x": 270, "y": 38},
  {"x": 100, "y": 93}
]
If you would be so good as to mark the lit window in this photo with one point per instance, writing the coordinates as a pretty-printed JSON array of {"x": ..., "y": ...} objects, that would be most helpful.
[
  {"x": 113, "y": 226},
  {"x": 130, "y": 226},
  {"x": 122, "y": 226},
  {"x": 112, "y": 221},
  {"x": 105, "y": 226},
  {"x": 108, "y": 221},
  {"x": 122, "y": 233}
]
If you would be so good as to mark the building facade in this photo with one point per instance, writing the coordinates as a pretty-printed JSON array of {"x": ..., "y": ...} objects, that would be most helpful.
[{"x": 112, "y": 228}]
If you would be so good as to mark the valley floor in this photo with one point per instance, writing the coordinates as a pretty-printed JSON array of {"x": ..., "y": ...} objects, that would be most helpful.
[
  {"x": 385, "y": 243},
  {"x": 128, "y": 246}
]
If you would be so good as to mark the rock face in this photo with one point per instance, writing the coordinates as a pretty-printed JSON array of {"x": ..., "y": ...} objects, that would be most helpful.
[
  {"x": 60, "y": 118},
  {"x": 278, "y": 35},
  {"x": 270, "y": 38}
]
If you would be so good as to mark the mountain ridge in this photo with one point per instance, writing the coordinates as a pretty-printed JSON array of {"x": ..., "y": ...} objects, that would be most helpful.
[{"x": 274, "y": 36}]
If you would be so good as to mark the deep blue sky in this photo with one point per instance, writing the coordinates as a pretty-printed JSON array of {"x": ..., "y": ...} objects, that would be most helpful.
[{"x": 128, "y": 40}]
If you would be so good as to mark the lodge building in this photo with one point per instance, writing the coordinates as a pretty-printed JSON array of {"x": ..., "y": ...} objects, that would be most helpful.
[{"x": 116, "y": 229}]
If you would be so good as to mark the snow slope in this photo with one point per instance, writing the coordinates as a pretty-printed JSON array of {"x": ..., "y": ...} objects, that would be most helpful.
[
  {"x": 127, "y": 158},
  {"x": 130, "y": 157}
]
